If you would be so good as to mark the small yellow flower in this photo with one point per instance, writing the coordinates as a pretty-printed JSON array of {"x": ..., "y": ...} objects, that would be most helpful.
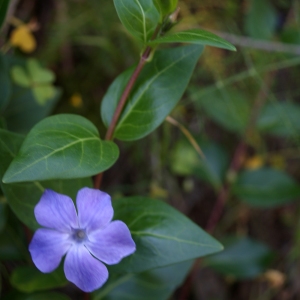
[
  {"x": 254, "y": 162},
  {"x": 76, "y": 100},
  {"x": 22, "y": 38}
]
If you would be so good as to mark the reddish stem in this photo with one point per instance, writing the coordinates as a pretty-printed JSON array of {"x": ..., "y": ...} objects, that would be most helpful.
[
  {"x": 120, "y": 107},
  {"x": 124, "y": 97},
  {"x": 235, "y": 166}
]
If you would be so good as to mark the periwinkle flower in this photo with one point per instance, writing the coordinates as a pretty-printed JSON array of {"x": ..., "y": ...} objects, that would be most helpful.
[{"x": 88, "y": 237}]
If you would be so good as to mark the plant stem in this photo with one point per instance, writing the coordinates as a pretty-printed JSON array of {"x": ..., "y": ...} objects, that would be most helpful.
[
  {"x": 235, "y": 166},
  {"x": 124, "y": 97},
  {"x": 112, "y": 126},
  {"x": 121, "y": 104}
]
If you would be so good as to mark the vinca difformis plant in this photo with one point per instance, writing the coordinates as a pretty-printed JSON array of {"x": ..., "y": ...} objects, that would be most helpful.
[{"x": 106, "y": 244}]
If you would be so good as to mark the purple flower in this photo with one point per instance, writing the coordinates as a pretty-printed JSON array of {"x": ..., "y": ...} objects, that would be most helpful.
[{"x": 87, "y": 238}]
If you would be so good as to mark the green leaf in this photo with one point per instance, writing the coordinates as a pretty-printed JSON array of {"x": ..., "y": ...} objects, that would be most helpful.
[
  {"x": 228, "y": 108},
  {"x": 261, "y": 20},
  {"x": 23, "y": 111},
  {"x": 280, "y": 119},
  {"x": 23, "y": 197},
  {"x": 43, "y": 93},
  {"x": 139, "y": 17},
  {"x": 5, "y": 84},
  {"x": 266, "y": 187},
  {"x": 213, "y": 168},
  {"x": 3, "y": 9},
  {"x": 165, "y": 7},
  {"x": 194, "y": 36},
  {"x": 242, "y": 258},
  {"x": 186, "y": 161},
  {"x": 68, "y": 147},
  {"x": 39, "y": 74},
  {"x": 156, "y": 284},
  {"x": 184, "y": 158},
  {"x": 29, "y": 279},
  {"x": 159, "y": 87},
  {"x": 20, "y": 77},
  {"x": 163, "y": 236}
]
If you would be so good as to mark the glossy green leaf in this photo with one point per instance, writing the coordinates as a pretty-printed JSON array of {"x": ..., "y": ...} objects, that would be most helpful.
[
  {"x": 194, "y": 36},
  {"x": 266, "y": 187},
  {"x": 29, "y": 279},
  {"x": 280, "y": 119},
  {"x": 165, "y": 7},
  {"x": 156, "y": 284},
  {"x": 242, "y": 258},
  {"x": 261, "y": 19},
  {"x": 159, "y": 87},
  {"x": 228, "y": 108},
  {"x": 5, "y": 84},
  {"x": 139, "y": 17},
  {"x": 68, "y": 147},
  {"x": 3, "y": 9},
  {"x": 22, "y": 197},
  {"x": 163, "y": 236}
]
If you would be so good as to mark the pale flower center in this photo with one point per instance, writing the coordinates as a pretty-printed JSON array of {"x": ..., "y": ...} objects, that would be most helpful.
[{"x": 79, "y": 235}]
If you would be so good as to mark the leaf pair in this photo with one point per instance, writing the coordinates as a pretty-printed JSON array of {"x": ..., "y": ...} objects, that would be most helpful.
[{"x": 142, "y": 17}]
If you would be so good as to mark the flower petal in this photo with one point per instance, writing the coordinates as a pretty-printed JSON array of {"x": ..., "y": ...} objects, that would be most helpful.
[
  {"x": 47, "y": 248},
  {"x": 94, "y": 209},
  {"x": 56, "y": 211},
  {"x": 84, "y": 270},
  {"x": 112, "y": 243}
]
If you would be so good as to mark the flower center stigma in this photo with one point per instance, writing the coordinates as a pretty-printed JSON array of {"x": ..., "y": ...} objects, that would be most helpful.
[{"x": 79, "y": 235}]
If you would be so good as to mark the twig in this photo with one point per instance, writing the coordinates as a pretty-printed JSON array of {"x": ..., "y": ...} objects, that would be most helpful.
[
  {"x": 248, "y": 42},
  {"x": 187, "y": 134}
]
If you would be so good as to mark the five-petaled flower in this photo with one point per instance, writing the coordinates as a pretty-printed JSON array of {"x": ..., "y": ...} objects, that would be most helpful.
[{"x": 87, "y": 238}]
